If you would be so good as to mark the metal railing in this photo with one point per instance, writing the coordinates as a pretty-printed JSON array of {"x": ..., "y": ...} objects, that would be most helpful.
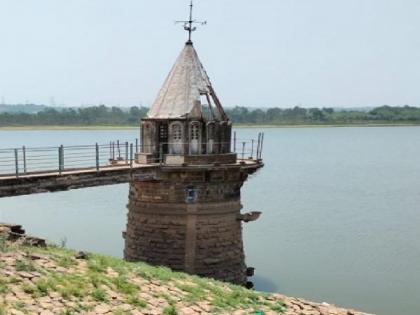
[
  {"x": 28, "y": 160},
  {"x": 244, "y": 148}
]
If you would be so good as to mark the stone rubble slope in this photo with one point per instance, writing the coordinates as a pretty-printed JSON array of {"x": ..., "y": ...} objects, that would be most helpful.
[{"x": 52, "y": 280}]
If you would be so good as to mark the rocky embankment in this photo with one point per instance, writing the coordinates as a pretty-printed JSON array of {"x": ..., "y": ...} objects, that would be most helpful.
[{"x": 47, "y": 280}]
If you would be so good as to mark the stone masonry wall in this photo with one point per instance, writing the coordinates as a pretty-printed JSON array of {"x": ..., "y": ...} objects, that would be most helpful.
[{"x": 188, "y": 220}]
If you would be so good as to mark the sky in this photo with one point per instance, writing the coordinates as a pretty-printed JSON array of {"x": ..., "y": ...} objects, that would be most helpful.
[{"x": 264, "y": 53}]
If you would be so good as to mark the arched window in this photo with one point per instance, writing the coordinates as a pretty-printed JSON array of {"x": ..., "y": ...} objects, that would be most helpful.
[
  {"x": 195, "y": 132},
  {"x": 195, "y": 138},
  {"x": 147, "y": 137},
  {"x": 211, "y": 133},
  {"x": 176, "y": 132},
  {"x": 176, "y": 146}
]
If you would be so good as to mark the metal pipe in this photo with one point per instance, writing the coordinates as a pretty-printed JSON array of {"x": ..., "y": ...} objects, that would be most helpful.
[
  {"x": 137, "y": 145},
  {"x": 252, "y": 148},
  {"x": 243, "y": 150},
  {"x": 119, "y": 150}
]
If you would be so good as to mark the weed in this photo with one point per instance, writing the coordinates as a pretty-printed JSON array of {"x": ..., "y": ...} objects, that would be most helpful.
[
  {"x": 63, "y": 242},
  {"x": 195, "y": 293},
  {"x": 123, "y": 286},
  {"x": 278, "y": 307},
  {"x": 29, "y": 289},
  {"x": 3, "y": 286},
  {"x": 20, "y": 306},
  {"x": 135, "y": 301},
  {"x": 2, "y": 309},
  {"x": 3, "y": 245},
  {"x": 24, "y": 265},
  {"x": 170, "y": 310},
  {"x": 65, "y": 261},
  {"x": 99, "y": 295}
]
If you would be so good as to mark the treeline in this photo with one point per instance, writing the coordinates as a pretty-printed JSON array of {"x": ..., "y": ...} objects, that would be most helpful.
[
  {"x": 84, "y": 116},
  {"x": 116, "y": 116}
]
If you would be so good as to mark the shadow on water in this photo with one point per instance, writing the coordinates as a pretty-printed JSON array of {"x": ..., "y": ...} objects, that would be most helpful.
[{"x": 264, "y": 284}]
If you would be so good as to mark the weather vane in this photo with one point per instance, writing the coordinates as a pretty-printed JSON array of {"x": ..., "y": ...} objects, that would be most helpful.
[{"x": 188, "y": 25}]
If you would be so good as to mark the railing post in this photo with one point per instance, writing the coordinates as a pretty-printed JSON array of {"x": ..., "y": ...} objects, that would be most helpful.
[
  {"x": 24, "y": 159},
  {"x": 119, "y": 150},
  {"x": 252, "y": 148},
  {"x": 97, "y": 156},
  {"x": 258, "y": 145},
  {"x": 234, "y": 141},
  {"x": 126, "y": 153},
  {"x": 137, "y": 145},
  {"x": 16, "y": 163},
  {"x": 62, "y": 157},
  {"x": 60, "y": 167},
  {"x": 262, "y": 142},
  {"x": 131, "y": 155},
  {"x": 243, "y": 150}
]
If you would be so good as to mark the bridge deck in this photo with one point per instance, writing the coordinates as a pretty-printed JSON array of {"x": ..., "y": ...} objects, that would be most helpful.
[
  {"x": 52, "y": 181},
  {"x": 47, "y": 169}
]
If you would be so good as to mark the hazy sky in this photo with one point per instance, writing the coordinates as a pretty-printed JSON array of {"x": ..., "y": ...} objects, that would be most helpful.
[{"x": 257, "y": 53}]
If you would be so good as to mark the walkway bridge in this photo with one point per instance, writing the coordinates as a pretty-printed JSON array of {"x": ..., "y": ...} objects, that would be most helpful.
[{"x": 31, "y": 170}]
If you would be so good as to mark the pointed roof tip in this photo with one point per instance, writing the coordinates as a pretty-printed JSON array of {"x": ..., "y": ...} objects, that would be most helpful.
[
  {"x": 189, "y": 42},
  {"x": 183, "y": 87}
]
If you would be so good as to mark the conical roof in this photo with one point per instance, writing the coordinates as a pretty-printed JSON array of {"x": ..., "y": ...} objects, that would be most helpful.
[{"x": 180, "y": 95}]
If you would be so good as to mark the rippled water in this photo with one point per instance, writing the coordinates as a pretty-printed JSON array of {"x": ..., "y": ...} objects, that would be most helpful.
[{"x": 340, "y": 223}]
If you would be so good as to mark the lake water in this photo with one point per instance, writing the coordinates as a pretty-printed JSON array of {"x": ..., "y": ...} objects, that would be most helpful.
[{"x": 340, "y": 223}]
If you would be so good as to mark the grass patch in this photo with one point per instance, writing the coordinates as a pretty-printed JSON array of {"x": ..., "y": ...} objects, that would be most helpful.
[
  {"x": 43, "y": 286},
  {"x": 279, "y": 307},
  {"x": 99, "y": 295},
  {"x": 161, "y": 273},
  {"x": 3, "y": 285},
  {"x": 3, "y": 245},
  {"x": 2, "y": 309},
  {"x": 123, "y": 286},
  {"x": 170, "y": 310},
  {"x": 135, "y": 301},
  {"x": 194, "y": 292},
  {"x": 25, "y": 265},
  {"x": 65, "y": 261}
]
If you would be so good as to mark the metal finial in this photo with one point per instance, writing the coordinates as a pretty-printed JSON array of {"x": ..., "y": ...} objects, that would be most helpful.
[{"x": 188, "y": 25}]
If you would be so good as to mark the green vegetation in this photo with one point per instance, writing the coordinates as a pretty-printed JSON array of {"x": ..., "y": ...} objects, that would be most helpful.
[
  {"x": 82, "y": 284},
  {"x": 3, "y": 245},
  {"x": 24, "y": 265},
  {"x": 115, "y": 116},
  {"x": 170, "y": 310}
]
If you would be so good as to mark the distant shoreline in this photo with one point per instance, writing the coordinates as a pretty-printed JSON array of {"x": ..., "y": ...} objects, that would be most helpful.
[{"x": 116, "y": 127}]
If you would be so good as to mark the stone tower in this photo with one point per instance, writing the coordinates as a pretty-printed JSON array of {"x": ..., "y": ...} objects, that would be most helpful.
[{"x": 185, "y": 209}]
